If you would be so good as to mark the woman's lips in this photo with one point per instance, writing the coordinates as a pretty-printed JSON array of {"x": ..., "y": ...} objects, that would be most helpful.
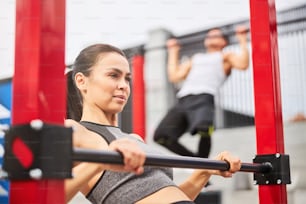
[{"x": 120, "y": 97}]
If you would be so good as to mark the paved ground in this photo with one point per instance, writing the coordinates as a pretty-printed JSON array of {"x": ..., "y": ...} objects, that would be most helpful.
[{"x": 241, "y": 141}]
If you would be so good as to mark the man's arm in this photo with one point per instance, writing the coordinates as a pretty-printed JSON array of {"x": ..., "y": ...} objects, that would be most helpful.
[
  {"x": 176, "y": 71},
  {"x": 239, "y": 60}
]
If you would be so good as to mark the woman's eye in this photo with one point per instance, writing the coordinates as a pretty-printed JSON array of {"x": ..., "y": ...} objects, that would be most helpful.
[
  {"x": 114, "y": 76},
  {"x": 128, "y": 79}
]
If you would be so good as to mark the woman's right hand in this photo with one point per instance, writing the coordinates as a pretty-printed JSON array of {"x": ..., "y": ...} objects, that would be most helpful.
[{"x": 133, "y": 156}]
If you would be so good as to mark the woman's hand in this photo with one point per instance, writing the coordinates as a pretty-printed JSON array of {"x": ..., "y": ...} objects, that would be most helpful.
[
  {"x": 86, "y": 174},
  {"x": 234, "y": 162},
  {"x": 195, "y": 183},
  {"x": 133, "y": 156}
]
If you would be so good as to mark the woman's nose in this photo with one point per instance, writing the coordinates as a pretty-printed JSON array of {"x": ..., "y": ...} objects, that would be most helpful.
[{"x": 123, "y": 84}]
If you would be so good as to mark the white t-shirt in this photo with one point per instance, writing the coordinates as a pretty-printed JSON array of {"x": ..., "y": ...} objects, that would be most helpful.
[{"x": 206, "y": 75}]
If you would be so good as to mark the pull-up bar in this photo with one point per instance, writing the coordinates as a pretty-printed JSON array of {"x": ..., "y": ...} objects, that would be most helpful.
[
  {"x": 51, "y": 45},
  {"x": 40, "y": 141},
  {"x": 110, "y": 157}
]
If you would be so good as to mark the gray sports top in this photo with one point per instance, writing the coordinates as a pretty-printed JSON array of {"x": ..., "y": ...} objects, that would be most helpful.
[
  {"x": 128, "y": 188},
  {"x": 206, "y": 75}
]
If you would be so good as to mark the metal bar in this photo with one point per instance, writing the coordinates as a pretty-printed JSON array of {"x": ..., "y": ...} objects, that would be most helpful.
[
  {"x": 267, "y": 91},
  {"x": 188, "y": 41},
  {"x": 112, "y": 157}
]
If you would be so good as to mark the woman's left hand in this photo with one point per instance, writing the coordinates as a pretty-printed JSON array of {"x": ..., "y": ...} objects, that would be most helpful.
[{"x": 234, "y": 162}]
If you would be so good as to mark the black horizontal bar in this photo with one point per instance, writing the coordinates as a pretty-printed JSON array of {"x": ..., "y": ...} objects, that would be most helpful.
[{"x": 112, "y": 157}]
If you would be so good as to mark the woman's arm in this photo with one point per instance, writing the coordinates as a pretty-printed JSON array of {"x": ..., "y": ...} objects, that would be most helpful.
[
  {"x": 86, "y": 174},
  {"x": 83, "y": 175},
  {"x": 195, "y": 183}
]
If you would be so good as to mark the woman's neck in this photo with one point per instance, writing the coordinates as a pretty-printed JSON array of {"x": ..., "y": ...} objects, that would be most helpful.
[{"x": 99, "y": 116}]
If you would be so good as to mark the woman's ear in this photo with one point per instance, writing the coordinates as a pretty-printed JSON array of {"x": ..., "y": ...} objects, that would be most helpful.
[{"x": 80, "y": 81}]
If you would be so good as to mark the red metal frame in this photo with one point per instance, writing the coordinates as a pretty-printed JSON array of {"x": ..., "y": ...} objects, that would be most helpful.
[
  {"x": 138, "y": 96},
  {"x": 268, "y": 109},
  {"x": 38, "y": 87},
  {"x": 39, "y": 84}
]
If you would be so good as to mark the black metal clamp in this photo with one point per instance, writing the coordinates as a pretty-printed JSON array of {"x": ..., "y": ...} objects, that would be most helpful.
[
  {"x": 38, "y": 150},
  {"x": 280, "y": 172}
]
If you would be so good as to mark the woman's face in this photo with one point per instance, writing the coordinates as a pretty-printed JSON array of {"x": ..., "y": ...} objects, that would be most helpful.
[{"x": 108, "y": 85}]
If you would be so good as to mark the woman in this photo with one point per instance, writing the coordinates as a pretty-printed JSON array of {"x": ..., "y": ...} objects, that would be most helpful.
[{"x": 101, "y": 77}]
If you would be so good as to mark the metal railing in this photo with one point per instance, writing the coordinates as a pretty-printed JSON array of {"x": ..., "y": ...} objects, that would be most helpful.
[{"x": 236, "y": 95}]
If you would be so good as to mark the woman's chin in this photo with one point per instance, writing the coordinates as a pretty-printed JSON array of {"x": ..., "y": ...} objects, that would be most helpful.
[{"x": 116, "y": 110}]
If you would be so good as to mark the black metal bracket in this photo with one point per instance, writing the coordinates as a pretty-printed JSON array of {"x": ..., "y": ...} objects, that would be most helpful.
[
  {"x": 280, "y": 172},
  {"x": 38, "y": 150}
]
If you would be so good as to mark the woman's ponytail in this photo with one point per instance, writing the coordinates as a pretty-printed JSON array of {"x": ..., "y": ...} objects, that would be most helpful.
[{"x": 74, "y": 105}]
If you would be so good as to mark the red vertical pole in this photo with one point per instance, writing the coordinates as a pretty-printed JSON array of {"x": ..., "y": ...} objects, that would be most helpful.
[
  {"x": 138, "y": 96},
  {"x": 268, "y": 109},
  {"x": 39, "y": 84}
]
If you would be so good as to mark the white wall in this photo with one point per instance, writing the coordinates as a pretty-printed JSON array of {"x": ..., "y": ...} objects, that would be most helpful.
[
  {"x": 7, "y": 35},
  {"x": 126, "y": 23}
]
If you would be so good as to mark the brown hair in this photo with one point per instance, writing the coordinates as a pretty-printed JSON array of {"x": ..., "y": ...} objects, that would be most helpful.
[
  {"x": 83, "y": 63},
  {"x": 222, "y": 33}
]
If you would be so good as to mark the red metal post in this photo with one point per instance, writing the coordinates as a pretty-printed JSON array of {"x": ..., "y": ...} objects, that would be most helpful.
[
  {"x": 268, "y": 109},
  {"x": 138, "y": 96},
  {"x": 39, "y": 84}
]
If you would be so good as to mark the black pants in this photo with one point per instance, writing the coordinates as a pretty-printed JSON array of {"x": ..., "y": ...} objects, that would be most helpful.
[{"x": 192, "y": 113}]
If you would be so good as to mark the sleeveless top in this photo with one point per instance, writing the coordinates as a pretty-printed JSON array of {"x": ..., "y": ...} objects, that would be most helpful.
[
  {"x": 206, "y": 75},
  {"x": 122, "y": 187}
]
